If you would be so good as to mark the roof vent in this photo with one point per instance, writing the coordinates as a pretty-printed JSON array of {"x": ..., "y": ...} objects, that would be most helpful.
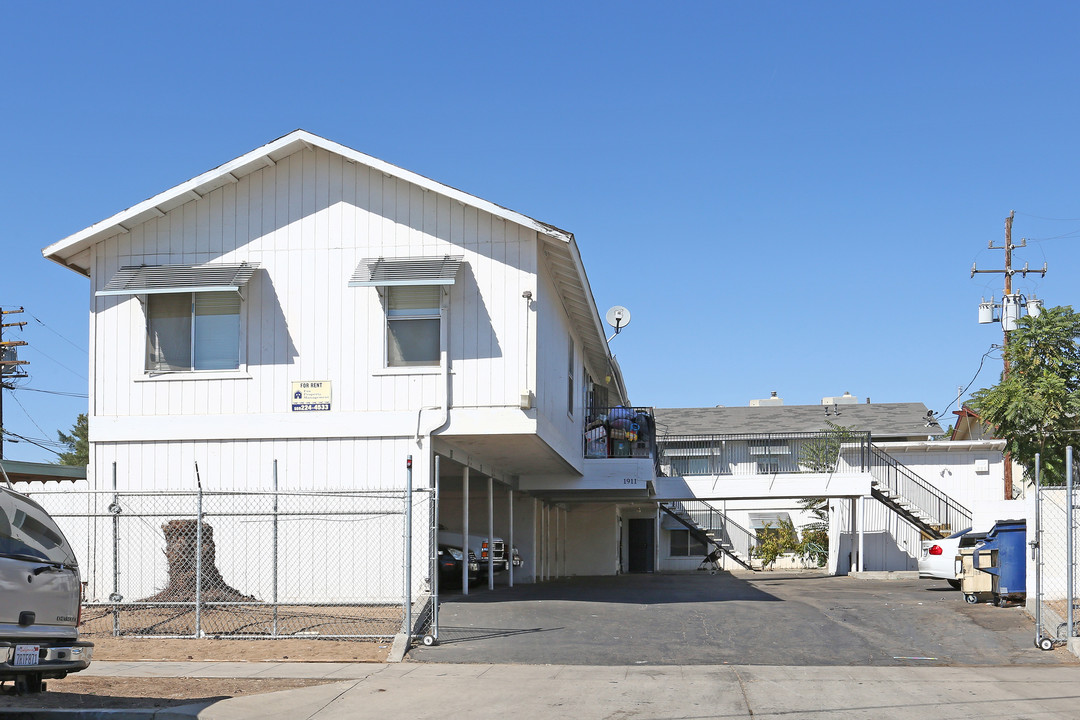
[{"x": 768, "y": 402}]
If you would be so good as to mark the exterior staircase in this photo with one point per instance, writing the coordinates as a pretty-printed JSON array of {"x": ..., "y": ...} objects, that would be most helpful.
[
  {"x": 933, "y": 512},
  {"x": 715, "y": 530}
]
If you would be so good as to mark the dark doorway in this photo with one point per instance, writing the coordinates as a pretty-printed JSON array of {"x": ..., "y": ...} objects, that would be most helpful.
[{"x": 642, "y": 545}]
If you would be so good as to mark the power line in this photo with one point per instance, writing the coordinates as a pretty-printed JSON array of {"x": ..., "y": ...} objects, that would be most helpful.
[
  {"x": 27, "y": 414},
  {"x": 32, "y": 442},
  {"x": 972, "y": 382},
  {"x": 73, "y": 372},
  {"x": 52, "y": 392},
  {"x": 70, "y": 342},
  {"x": 10, "y": 365}
]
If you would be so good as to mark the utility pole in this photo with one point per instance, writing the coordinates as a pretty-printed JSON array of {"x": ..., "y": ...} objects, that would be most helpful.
[
  {"x": 9, "y": 365},
  {"x": 1010, "y": 311}
]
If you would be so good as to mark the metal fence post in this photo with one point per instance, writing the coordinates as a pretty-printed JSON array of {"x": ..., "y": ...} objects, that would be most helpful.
[
  {"x": 115, "y": 552},
  {"x": 408, "y": 548},
  {"x": 1069, "y": 556},
  {"x": 434, "y": 540},
  {"x": 1036, "y": 552},
  {"x": 274, "y": 630},
  {"x": 198, "y": 555}
]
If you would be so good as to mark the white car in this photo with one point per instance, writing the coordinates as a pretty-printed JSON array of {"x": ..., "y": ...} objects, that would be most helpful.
[
  {"x": 938, "y": 558},
  {"x": 39, "y": 597}
]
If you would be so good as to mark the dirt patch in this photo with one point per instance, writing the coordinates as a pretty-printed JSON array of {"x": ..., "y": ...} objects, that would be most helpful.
[
  {"x": 214, "y": 650},
  {"x": 89, "y": 693},
  {"x": 258, "y": 621}
]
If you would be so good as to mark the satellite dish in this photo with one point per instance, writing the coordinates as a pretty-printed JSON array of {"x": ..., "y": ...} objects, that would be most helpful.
[{"x": 617, "y": 317}]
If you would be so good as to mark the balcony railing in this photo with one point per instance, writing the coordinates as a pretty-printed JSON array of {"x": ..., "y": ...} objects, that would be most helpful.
[
  {"x": 764, "y": 453},
  {"x": 620, "y": 432}
]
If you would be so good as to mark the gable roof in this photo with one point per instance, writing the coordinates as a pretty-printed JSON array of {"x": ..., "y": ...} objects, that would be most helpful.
[
  {"x": 267, "y": 155},
  {"x": 559, "y": 245},
  {"x": 969, "y": 426},
  {"x": 883, "y": 420}
]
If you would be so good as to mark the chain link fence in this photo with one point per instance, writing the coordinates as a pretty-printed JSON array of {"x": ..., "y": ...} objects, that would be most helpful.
[
  {"x": 1057, "y": 528},
  {"x": 298, "y": 564}
]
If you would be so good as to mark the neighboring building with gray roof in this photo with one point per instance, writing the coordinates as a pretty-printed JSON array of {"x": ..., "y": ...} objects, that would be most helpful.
[{"x": 886, "y": 422}]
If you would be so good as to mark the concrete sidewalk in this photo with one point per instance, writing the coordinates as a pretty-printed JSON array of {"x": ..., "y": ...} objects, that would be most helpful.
[{"x": 442, "y": 691}]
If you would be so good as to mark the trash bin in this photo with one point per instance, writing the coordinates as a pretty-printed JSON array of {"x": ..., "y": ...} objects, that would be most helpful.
[
  {"x": 977, "y": 585},
  {"x": 1006, "y": 542}
]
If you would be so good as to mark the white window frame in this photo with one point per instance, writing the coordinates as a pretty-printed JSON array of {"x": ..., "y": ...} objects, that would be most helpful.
[
  {"x": 426, "y": 314},
  {"x": 241, "y": 339},
  {"x": 692, "y": 543}
]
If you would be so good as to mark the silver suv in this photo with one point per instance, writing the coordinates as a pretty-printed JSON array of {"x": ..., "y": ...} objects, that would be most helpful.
[{"x": 39, "y": 597}]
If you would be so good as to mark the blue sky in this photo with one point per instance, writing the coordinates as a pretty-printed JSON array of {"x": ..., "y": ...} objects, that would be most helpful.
[{"x": 787, "y": 196}]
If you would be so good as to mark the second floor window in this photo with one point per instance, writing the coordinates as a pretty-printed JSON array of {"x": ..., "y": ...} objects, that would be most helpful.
[
  {"x": 192, "y": 331},
  {"x": 413, "y": 325}
]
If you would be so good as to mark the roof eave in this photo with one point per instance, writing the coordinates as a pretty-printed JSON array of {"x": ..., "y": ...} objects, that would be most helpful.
[
  {"x": 596, "y": 346},
  {"x": 264, "y": 156}
]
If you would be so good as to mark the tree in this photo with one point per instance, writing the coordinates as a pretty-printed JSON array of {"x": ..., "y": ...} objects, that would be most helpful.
[
  {"x": 78, "y": 444},
  {"x": 775, "y": 541},
  {"x": 784, "y": 538},
  {"x": 815, "y": 535},
  {"x": 1035, "y": 407},
  {"x": 822, "y": 454}
]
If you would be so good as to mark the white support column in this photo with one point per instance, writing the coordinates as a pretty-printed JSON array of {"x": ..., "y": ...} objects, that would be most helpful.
[
  {"x": 656, "y": 542},
  {"x": 510, "y": 540},
  {"x": 491, "y": 534},
  {"x": 465, "y": 530},
  {"x": 862, "y": 525},
  {"x": 538, "y": 541},
  {"x": 547, "y": 542},
  {"x": 566, "y": 539},
  {"x": 559, "y": 529},
  {"x": 542, "y": 567}
]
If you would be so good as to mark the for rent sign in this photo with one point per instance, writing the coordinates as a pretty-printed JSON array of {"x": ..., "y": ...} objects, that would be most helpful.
[{"x": 310, "y": 395}]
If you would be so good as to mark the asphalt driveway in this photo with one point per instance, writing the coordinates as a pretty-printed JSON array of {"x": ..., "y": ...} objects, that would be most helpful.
[{"x": 747, "y": 619}]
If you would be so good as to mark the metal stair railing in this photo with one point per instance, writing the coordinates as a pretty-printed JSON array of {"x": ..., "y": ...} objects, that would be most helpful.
[
  {"x": 713, "y": 528},
  {"x": 926, "y": 507}
]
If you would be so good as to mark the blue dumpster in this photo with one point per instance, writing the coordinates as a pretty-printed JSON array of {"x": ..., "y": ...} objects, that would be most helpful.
[{"x": 1007, "y": 542}]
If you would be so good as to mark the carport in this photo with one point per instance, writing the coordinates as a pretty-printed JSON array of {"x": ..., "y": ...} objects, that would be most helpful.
[
  {"x": 558, "y": 532},
  {"x": 474, "y": 501}
]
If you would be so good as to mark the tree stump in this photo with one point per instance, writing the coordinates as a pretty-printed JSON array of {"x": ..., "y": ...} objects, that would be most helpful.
[{"x": 181, "y": 552}]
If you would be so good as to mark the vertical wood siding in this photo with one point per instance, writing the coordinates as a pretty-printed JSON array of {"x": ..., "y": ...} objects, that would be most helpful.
[
  {"x": 248, "y": 465},
  {"x": 308, "y": 221},
  {"x": 553, "y": 334}
]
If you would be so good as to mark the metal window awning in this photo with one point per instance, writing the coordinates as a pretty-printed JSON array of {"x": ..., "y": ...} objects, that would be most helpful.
[
  {"x": 150, "y": 279},
  {"x": 383, "y": 272}
]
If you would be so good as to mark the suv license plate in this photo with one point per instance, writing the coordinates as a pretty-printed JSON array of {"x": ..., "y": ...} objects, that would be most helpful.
[{"x": 27, "y": 654}]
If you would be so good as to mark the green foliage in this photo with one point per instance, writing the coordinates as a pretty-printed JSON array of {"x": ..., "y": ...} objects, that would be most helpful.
[
  {"x": 945, "y": 435},
  {"x": 776, "y": 541},
  {"x": 815, "y": 535},
  {"x": 814, "y": 545},
  {"x": 1036, "y": 407},
  {"x": 78, "y": 444},
  {"x": 823, "y": 453}
]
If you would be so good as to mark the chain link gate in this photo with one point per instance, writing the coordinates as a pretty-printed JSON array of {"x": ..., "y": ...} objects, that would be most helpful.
[
  {"x": 1057, "y": 530},
  {"x": 288, "y": 564}
]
